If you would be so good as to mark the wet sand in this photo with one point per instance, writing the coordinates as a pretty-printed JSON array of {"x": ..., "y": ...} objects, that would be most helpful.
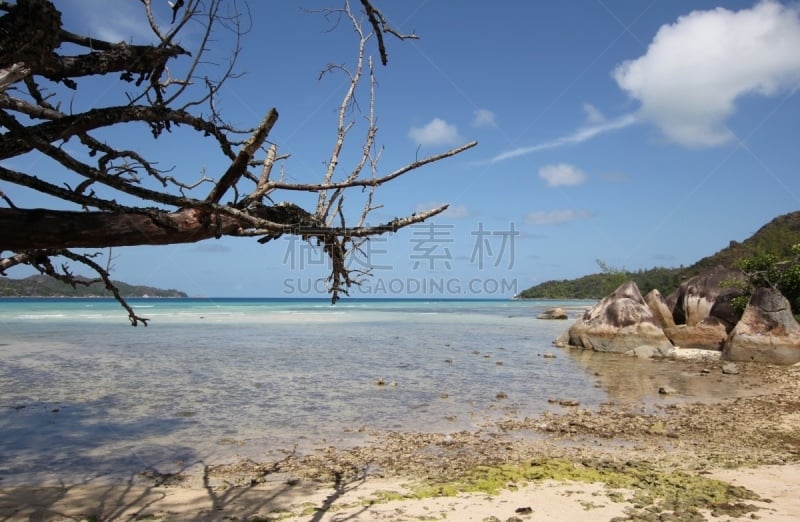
[{"x": 719, "y": 458}]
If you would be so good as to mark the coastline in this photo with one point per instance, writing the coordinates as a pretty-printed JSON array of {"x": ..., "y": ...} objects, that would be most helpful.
[{"x": 618, "y": 462}]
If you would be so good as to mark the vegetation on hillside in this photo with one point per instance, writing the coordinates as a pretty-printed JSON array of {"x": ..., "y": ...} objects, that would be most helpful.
[
  {"x": 774, "y": 240},
  {"x": 766, "y": 270},
  {"x": 43, "y": 286},
  {"x": 596, "y": 286}
]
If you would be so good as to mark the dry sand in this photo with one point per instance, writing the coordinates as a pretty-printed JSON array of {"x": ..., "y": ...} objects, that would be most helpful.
[{"x": 616, "y": 463}]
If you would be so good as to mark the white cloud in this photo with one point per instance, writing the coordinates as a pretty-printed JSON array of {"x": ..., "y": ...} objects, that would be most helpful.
[
  {"x": 437, "y": 132},
  {"x": 695, "y": 69},
  {"x": 593, "y": 115},
  {"x": 457, "y": 212},
  {"x": 484, "y": 118},
  {"x": 555, "y": 217},
  {"x": 579, "y": 136},
  {"x": 562, "y": 174}
]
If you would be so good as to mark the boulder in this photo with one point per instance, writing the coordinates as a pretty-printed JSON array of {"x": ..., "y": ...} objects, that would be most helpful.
[
  {"x": 553, "y": 313},
  {"x": 709, "y": 334},
  {"x": 767, "y": 331},
  {"x": 623, "y": 323},
  {"x": 661, "y": 311},
  {"x": 702, "y": 296}
]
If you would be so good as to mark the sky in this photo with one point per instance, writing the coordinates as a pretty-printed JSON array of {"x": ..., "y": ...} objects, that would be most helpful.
[{"x": 626, "y": 133}]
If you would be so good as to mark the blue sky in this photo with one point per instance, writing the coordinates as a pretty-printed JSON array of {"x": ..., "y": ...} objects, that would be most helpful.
[{"x": 639, "y": 133}]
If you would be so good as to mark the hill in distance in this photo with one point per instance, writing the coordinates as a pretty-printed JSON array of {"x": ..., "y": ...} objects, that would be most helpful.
[
  {"x": 43, "y": 286},
  {"x": 776, "y": 237}
]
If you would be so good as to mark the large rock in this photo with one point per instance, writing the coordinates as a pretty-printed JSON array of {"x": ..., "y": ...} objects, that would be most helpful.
[
  {"x": 767, "y": 331},
  {"x": 623, "y": 323},
  {"x": 702, "y": 296},
  {"x": 661, "y": 311},
  {"x": 709, "y": 334}
]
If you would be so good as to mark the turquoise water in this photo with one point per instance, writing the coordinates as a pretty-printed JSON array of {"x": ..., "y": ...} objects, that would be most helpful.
[{"x": 83, "y": 394}]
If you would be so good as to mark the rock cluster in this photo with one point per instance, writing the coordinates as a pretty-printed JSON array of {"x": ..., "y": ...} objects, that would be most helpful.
[{"x": 699, "y": 314}]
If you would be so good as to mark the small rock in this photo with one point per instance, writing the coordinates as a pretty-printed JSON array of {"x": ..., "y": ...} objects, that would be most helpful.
[
  {"x": 667, "y": 390},
  {"x": 705, "y": 371},
  {"x": 554, "y": 313},
  {"x": 564, "y": 402},
  {"x": 501, "y": 395},
  {"x": 549, "y": 355},
  {"x": 448, "y": 360},
  {"x": 380, "y": 382},
  {"x": 730, "y": 369},
  {"x": 524, "y": 510}
]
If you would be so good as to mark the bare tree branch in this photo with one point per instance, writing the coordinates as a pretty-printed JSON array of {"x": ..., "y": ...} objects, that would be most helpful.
[{"x": 105, "y": 194}]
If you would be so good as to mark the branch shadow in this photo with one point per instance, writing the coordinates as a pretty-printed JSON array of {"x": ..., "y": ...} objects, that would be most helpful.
[
  {"x": 340, "y": 489},
  {"x": 53, "y": 452},
  {"x": 66, "y": 460},
  {"x": 249, "y": 501}
]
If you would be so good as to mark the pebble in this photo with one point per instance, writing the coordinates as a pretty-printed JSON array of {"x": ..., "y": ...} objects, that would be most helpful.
[{"x": 730, "y": 369}]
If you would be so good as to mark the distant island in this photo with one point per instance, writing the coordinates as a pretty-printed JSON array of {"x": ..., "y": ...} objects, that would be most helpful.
[
  {"x": 776, "y": 237},
  {"x": 43, "y": 286}
]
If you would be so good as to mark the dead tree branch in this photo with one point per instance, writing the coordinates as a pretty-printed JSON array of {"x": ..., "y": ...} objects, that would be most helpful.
[{"x": 106, "y": 193}]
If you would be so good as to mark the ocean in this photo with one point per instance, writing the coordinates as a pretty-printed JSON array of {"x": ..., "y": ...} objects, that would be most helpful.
[{"x": 83, "y": 395}]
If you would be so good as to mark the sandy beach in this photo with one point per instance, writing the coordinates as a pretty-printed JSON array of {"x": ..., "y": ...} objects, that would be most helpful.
[
  {"x": 724, "y": 459},
  {"x": 361, "y": 500}
]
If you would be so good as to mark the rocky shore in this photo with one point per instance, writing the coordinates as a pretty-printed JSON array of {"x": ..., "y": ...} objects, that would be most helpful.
[{"x": 618, "y": 462}]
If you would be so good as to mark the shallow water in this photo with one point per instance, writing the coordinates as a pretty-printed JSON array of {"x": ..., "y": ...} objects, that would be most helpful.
[{"x": 84, "y": 395}]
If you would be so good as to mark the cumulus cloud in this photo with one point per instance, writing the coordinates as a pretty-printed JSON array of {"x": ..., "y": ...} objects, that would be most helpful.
[
  {"x": 562, "y": 174},
  {"x": 696, "y": 68},
  {"x": 436, "y": 132},
  {"x": 555, "y": 217},
  {"x": 484, "y": 118}
]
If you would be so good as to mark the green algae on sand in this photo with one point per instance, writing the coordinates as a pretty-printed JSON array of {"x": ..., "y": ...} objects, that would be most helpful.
[{"x": 649, "y": 489}]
